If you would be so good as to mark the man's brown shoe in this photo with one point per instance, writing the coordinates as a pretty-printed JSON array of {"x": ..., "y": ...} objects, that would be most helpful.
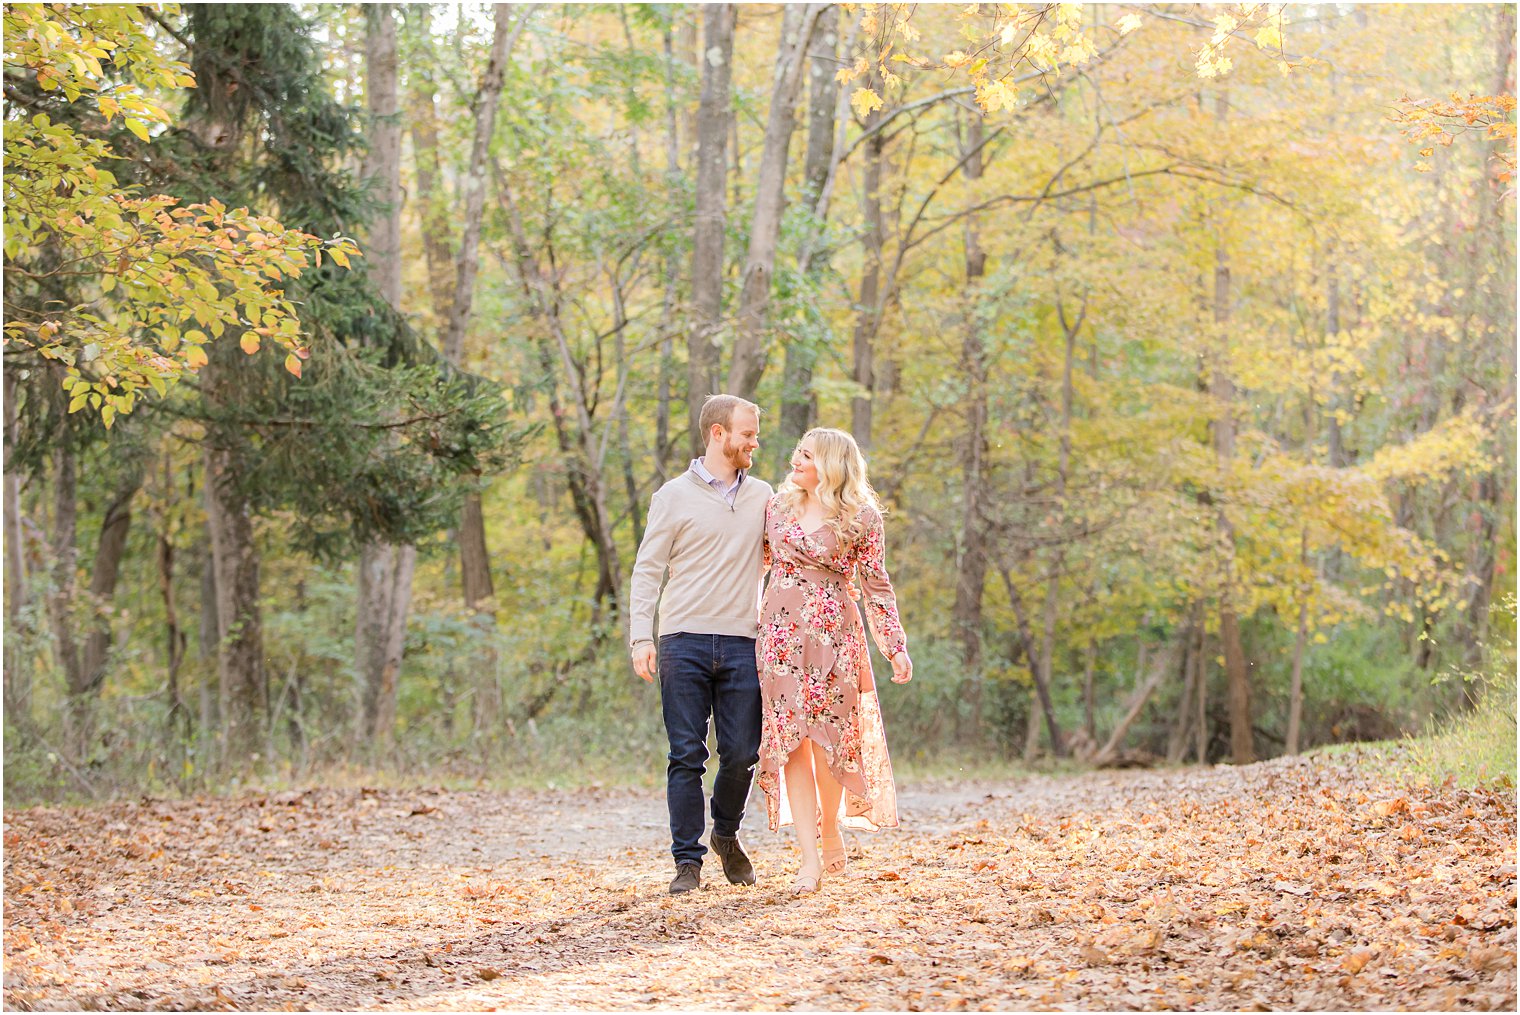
[
  {"x": 736, "y": 865},
  {"x": 688, "y": 878}
]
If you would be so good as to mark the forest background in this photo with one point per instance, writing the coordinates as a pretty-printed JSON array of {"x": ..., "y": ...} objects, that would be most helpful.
[{"x": 1180, "y": 339}]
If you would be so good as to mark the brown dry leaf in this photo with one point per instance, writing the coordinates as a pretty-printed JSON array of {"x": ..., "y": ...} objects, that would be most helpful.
[
  {"x": 1277, "y": 885},
  {"x": 1355, "y": 962},
  {"x": 1491, "y": 960}
]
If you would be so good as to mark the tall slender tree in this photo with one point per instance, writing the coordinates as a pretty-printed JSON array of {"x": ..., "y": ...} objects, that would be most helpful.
[
  {"x": 711, "y": 142},
  {"x": 750, "y": 323},
  {"x": 971, "y": 548},
  {"x": 799, "y": 403},
  {"x": 385, "y": 569},
  {"x": 1222, "y": 389},
  {"x": 869, "y": 305},
  {"x": 474, "y": 555}
]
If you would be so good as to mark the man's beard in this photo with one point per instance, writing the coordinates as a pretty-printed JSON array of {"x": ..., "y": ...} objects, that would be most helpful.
[{"x": 736, "y": 455}]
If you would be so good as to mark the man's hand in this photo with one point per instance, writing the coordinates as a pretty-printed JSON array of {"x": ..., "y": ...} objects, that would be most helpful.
[
  {"x": 644, "y": 661},
  {"x": 902, "y": 668}
]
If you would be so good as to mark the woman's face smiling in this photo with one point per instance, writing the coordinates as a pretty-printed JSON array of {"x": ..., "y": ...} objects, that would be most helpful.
[{"x": 804, "y": 470}]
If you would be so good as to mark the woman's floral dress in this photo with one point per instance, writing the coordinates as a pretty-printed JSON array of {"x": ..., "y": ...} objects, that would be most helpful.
[{"x": 815, "y": 669}]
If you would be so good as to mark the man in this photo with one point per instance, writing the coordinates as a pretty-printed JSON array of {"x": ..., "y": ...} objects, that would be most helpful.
[{"x": 706, "y": 526}]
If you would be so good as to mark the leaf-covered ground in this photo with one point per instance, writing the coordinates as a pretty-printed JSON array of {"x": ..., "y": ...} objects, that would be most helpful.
[{"x": 1291, "y": 884}]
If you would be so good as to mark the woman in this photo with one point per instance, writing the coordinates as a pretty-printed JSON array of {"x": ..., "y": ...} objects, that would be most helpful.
[{"x": 821, "y": 739}]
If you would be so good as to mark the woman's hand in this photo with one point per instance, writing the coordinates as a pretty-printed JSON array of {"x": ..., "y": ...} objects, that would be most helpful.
[{"x": 902, "y": 668}]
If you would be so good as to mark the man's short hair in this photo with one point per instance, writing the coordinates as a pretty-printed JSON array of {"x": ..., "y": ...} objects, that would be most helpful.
[{"x": 719, "y": 410}]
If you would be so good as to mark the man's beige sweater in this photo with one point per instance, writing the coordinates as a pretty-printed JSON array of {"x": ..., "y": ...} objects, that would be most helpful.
[{"x": 713, "y": 554}]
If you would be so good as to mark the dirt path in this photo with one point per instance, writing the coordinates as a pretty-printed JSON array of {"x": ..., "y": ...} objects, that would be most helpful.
[{"x": 1290, "y": 884}]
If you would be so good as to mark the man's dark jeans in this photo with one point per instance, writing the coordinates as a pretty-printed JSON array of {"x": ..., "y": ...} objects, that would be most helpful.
[{"x": 705, "y": 675}]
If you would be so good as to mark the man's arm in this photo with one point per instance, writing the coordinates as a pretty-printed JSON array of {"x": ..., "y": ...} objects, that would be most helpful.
[{"x": 644, "y": 588}]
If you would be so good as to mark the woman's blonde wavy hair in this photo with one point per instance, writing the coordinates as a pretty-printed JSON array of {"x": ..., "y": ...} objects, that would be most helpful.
[{"x": 843, "y": 486}]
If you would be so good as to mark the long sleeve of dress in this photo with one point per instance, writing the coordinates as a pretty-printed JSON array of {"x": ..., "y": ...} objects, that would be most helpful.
[{"x": 878, "y": 599}]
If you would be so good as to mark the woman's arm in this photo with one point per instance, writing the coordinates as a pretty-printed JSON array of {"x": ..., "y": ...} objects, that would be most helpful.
[
  {"x": 765, "y": 539},
  {"x": 879, "y": 600}
]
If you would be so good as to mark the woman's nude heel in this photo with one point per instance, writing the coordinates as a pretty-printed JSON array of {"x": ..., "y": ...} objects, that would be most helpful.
[{"x": 834, "y": 860}]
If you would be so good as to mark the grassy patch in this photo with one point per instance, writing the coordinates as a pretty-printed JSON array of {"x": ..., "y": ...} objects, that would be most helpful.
[
  {"x": 935, "y": 767},
  {"x": 1471, "y": 749}
]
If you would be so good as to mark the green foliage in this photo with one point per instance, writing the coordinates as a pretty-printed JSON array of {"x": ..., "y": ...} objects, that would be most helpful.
[
  {"x": 1358, "y": 683},
  {"x": 1476, "y": 744},
  {"x": 124, "y": 288}
]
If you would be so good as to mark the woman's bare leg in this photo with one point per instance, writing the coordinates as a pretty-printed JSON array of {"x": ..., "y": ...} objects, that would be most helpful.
[
  {"x": 829, "y": 791},
  {"x": 802, "y": 794},
  {"x": 830, "y": 845}
]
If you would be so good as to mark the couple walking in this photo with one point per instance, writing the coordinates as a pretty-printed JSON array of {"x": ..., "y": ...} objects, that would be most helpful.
[{"x": 791, "y": 689}]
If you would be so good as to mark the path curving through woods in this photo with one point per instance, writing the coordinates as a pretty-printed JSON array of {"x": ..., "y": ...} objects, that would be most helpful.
[{"x": 1296, "y": 883}]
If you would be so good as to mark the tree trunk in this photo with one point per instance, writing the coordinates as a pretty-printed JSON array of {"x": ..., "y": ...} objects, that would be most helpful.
[
  {"x": 84, "y": 666},
  {"x": 1242, "y": 748},
  {"x": 620, "y": 405},
  {"x": 422, "y": 110},
  {"x": 1164, "y": 664},
  {"x": 487, "y": 97},
  {"x": 1201, "y": 715},
  {"x": 799, "y": 405},
  {"x": 868, "y": 307},
  {"x": 1025, "y": 644},
  {"x": 114, "y": 528},
  {"x": 798, "y": 22},
  {"x": 18, "y": 688},
  {"x": 1089, "y": 695},
  {"x": 971, "y": 549},
  {"x": 1032, "y": 724},
  {"x": 1182, "y": 726},
  {"x": 383, "y": 157},
  {"x": 1296, "y": 688},
  {"x": 209, "y": 638},
  {"x": 241, "y": 678},
  {"x": 385, "y": 593},
  {"x": 385, "y": 570},
  {"x": 474, "y": 555},
  {"x": 1222, "y": 387},
  {"x": 1063, "y": 470},
  {"x": 1337, "y": 441},
  {"x": 664, "y": 445},
  {"x": 65, "y": 582},
  {"x": 174, "y": 635},
  {"x": 707, "y": 242}
]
